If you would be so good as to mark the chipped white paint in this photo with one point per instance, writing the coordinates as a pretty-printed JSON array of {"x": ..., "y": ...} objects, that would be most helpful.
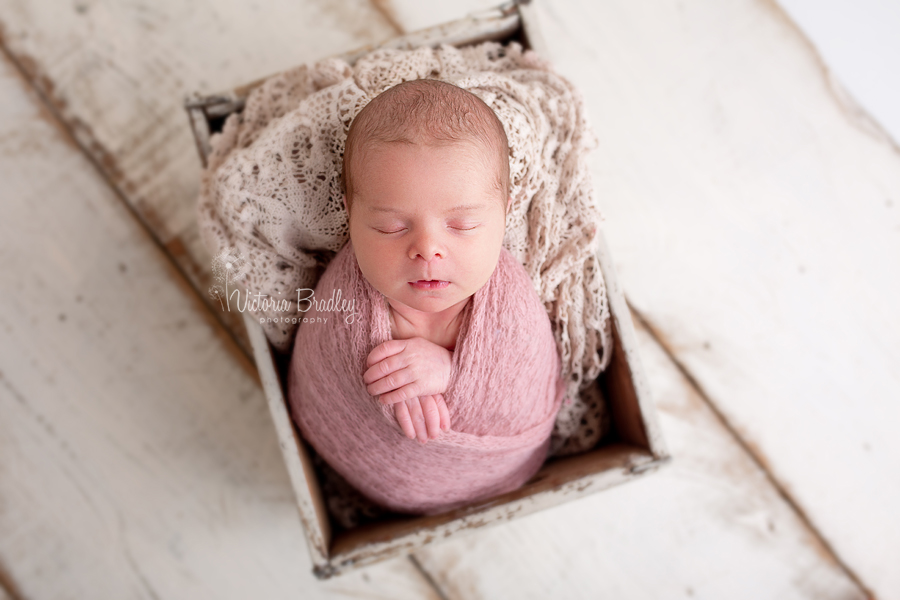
[
  {"x": 755, "y": 221},
  {"x": 118, "y": 73},
  {"x": 858, "y": 41},
  {"x": 716, "y": 132},
  {"x": 412, "y": 16},
  {"x": 313, "y": 515},
  {"x": 709, "y": 526},
  {"x": 496, "y": 24},
  {"x": 137, "y": 456}
]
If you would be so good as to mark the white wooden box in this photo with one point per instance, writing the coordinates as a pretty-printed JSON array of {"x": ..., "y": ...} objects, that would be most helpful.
[{"x": 634, "y": 448}]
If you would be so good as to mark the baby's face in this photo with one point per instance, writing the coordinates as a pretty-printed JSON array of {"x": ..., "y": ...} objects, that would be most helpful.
[{"x": 426, "y": 222}]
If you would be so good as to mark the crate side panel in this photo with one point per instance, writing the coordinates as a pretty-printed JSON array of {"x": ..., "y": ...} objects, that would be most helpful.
[
  {"x": 577, "y": 478},
  {"x": 300, "y": 469},
  {"x": 629, "y": 395}
]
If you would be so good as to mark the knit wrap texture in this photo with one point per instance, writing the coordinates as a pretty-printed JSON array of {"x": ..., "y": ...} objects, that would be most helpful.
[
  {"x": 503, "y": 394},
  {"x": 271, "y": 193}
]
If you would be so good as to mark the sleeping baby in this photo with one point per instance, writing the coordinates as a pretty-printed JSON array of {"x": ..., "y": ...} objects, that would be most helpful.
[{"x": 448, "y": 343}]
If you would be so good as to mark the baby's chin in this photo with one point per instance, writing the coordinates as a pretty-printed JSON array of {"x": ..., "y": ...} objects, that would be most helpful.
[{"x": 426, "y": 304}]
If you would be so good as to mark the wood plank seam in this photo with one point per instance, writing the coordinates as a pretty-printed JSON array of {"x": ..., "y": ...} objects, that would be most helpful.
[
  {"x": 7, "y": 584},
  {"x": 70, "y": 134},
  {"x": 852, "y": 114},
  {"x": 67, "y": 129},
  {"x": 383, "y": 8},
  {"x": 752, "y": 451},
  {"x": 9, "y": 587},
  {"x": 855, "y": 113},
  {"x": 428, "y": 577}
]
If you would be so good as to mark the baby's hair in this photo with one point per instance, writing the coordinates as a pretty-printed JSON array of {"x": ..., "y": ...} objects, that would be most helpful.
[{"x": 427, "y": 111}]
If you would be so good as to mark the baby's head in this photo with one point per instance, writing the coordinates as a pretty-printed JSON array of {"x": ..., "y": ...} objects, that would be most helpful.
[{"x": 426, "y": 183}]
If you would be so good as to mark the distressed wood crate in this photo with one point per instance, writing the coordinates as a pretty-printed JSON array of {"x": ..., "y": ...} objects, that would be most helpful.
[{"x": 634, "y": 448}]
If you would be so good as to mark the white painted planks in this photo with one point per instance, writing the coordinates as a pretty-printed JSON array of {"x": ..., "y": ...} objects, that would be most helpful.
[
  {"x": 858, "y": 40},
  {"x": 724, "y": 165},
  {"x": 412, "y": 16},
  {"x": 709, "y": 525},
  {"x": 118, "y": 74},
  {"x": 755, "y": 219},
  {"x": 137, "y": 456}
]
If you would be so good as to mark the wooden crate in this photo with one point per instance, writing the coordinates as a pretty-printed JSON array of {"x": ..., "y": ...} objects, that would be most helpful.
[{"x": 635, "y": 447}]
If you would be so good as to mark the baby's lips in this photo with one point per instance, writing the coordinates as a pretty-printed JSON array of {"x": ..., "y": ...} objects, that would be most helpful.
[{"x": 430, "y": 284}]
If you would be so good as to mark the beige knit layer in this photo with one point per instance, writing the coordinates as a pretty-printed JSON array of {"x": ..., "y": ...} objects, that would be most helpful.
[{"x": 271, "y": 194}]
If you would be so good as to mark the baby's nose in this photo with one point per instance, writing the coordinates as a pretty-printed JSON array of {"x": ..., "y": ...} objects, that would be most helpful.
[
  {"x": 426, "y": 254},
  {"x": 427, "y": 247}
]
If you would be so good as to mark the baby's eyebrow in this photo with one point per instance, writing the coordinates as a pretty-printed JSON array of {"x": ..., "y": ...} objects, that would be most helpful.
[
  {"x": 467, "y": 207},
  {"x": 455, "y": 209}
]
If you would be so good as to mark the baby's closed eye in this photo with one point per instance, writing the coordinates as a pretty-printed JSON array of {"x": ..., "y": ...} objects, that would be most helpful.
[{"x": 463, "y": 226}]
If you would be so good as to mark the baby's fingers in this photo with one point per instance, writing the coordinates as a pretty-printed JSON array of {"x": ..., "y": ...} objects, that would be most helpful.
[
  {"x": 384, "y": 368},
  {"x": 382, "y": 351},
  {"x": 389, "y": 383},
  {"x": 431, "y": 415},
  {"x": 418, "y": 419},
  {"x": 443, "y": 411},
  {"x": 401, "y": 412},
  {"x": 408, "y": 392}
]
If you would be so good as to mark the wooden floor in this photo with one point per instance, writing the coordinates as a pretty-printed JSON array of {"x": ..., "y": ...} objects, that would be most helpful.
[{"x": 754, "y": 214}]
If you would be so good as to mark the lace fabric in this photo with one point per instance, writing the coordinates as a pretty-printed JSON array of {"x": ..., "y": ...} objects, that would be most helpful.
[{"x": 271, "y": 193}]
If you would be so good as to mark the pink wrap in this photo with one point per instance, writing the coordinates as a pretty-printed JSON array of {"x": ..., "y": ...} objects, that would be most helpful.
[{"x": 503, "y": 395}]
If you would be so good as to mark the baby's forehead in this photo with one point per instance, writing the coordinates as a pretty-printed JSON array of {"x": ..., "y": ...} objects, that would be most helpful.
[
  {"x": 474, "y": 157},
  {"x": 428, "y": 113}
]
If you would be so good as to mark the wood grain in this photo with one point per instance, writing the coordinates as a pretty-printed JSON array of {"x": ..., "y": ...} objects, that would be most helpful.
[
  {"x": 752, "y": 211},
  {"x": 117, "y": 75},
  {"x": 755, "y": 219},
  {"x": 709, "y": 525},
  {"x": 137, "y": 457}
]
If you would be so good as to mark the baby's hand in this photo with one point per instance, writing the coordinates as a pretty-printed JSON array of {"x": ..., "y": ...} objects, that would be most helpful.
[
  {"x": 407, "y": 369},
  {"x": 423, "y": 417}
]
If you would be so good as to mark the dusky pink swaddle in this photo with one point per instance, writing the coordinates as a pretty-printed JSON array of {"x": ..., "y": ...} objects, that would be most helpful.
[{"x": 503, "y": 395}]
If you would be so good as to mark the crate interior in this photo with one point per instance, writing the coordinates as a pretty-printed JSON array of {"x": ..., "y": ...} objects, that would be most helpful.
[
  {"x": 617, "y": 449},
  {"x": 626, "y": 439}
]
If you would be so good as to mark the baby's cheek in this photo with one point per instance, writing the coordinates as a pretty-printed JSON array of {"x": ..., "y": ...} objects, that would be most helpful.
[{"x": 482, "y": 267}]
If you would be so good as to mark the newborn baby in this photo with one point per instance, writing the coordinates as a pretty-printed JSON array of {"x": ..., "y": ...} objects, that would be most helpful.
[{"x": 445, "y": 340}]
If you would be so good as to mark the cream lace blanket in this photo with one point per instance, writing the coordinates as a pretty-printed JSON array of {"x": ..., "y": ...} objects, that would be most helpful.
[{"x": 271, "y": 193}]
